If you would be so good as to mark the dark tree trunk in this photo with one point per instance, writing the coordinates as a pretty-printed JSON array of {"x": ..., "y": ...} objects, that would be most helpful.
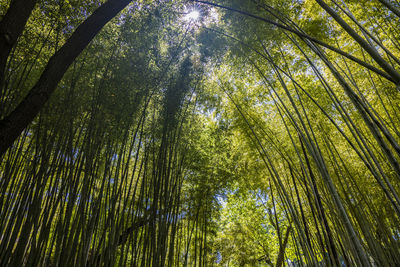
[
  {"x": 391, "y": 7},
  {"x": 12, "y": 125},
  {"x": 11, "y": 27}
]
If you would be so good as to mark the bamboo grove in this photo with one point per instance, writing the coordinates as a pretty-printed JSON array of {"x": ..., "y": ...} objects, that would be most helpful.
[{"x": 252, "y": 133}]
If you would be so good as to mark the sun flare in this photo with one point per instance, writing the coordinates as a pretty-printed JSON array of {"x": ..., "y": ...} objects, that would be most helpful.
[{"x": 193, "y": 15}]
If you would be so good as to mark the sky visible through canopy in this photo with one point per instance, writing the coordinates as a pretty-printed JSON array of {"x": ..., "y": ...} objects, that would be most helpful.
[{"x": 199, "y": 133}]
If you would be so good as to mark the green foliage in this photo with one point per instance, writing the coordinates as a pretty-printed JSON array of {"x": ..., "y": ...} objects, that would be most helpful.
[
  {"x": 246, "y": 237},
  {"x": 221, "y": 141}
]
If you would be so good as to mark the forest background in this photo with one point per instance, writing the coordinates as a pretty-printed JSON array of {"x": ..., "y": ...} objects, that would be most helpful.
[{"x": 226, "y": 133}]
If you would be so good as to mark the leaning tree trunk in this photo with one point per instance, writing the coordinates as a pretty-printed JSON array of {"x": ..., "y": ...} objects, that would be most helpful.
[
  {"x": 11, "y": 27},
  {"x": 13, "y": 124},
  {"x": 391, "y": 7}
]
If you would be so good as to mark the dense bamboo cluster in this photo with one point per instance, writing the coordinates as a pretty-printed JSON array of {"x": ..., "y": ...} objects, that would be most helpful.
[
  {"x": 266, "y": 133},
  {"x": 332, "y": 205},
  {"x": 97, "y": 178}
]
